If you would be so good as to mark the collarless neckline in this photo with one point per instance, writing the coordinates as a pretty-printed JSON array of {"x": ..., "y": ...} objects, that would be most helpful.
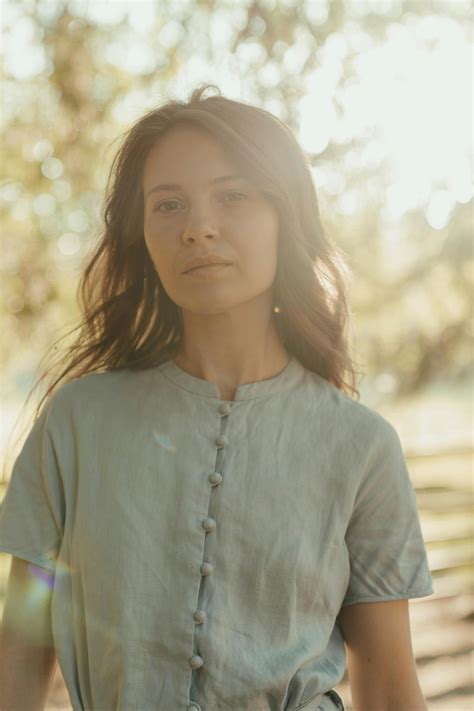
[{"x": 286, "y": 379}]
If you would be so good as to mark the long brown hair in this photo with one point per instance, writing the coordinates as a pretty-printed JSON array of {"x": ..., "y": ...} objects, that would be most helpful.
[{"x": 129, "y": 321}]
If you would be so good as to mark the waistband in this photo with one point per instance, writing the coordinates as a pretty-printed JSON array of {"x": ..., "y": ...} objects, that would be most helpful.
[{"x": 329, "y": 701}]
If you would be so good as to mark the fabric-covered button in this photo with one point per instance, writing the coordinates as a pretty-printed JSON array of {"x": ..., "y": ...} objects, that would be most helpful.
[
  {"x": 196, "y": 662},
  {"x": 206, "y": 568},
  {"x": 209, "y": 523},
  {"x": 199, "y": 616},
  {"x": 221, "y": 441},
  {"x": 215, "y": 478},
  {"x": 224, "y": 408},
  {"x": 194, "y": 707}
]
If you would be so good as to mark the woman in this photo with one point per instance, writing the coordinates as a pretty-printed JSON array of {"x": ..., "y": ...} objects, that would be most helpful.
[{"x": 209, "y": 520}]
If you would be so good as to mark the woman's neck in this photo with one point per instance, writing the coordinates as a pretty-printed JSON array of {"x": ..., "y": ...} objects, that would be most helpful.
[{"x": 229, "y": 363}]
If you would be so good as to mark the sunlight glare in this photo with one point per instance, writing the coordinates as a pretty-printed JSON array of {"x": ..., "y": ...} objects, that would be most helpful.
[
  {"x": 410, "y": 103},
  {"x": 439, "y": 208}
]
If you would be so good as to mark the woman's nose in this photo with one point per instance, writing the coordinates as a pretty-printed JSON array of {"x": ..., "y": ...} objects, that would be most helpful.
[{"x": 200, "y": 225}]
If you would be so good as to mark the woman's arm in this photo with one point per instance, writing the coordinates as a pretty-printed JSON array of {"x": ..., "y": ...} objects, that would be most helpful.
[
  {"x": 27, "y": 654},
  {"x": 381, "y": 666}
]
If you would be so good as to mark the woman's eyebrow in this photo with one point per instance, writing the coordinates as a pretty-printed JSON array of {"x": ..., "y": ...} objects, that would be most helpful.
[{"x": 175, "y": 186}]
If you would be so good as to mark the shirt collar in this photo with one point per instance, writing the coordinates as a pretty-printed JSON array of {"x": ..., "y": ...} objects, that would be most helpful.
[{"x": 291, "y": 376}]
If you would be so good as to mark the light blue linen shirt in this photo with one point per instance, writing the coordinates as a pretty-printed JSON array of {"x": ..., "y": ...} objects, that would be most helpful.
[{"x": 203, "y": 549}]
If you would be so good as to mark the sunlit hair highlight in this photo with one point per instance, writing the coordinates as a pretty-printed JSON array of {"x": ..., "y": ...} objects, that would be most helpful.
[{"x": 128, "y": 320}]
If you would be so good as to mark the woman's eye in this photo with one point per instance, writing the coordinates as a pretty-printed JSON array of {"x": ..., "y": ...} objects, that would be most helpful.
[
  {"x": 175, "y": 202},
  {"x": 167, "y": 202},
  {"x": 236, "y": 193}
]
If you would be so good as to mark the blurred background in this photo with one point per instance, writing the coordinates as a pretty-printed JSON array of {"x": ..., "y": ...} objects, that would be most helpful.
[{"x": 380, "y": 96}]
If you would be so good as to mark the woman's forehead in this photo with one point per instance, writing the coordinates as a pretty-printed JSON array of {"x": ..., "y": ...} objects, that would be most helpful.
[
  {"x": 186, "y": 153},
  {"x": 188, "y": 141}
]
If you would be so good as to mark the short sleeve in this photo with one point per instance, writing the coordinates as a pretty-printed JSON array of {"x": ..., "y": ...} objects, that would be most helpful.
[
  {"x": 32, "y": 512},
  {"x": 387, "y": 553}
]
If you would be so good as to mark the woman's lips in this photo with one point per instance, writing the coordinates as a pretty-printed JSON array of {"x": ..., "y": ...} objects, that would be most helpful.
[{"x": 208, "y": 269}]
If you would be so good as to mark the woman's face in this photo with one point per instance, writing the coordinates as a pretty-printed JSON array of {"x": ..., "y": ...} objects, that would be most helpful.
[{"x": 200, "y": 214}]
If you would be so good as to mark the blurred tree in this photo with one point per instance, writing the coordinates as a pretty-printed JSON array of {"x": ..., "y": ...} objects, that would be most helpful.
[{"x": 60, "y": 122}]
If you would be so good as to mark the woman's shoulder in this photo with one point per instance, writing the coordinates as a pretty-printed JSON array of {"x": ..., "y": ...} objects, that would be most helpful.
[
  {"x": 106, "y": 388},
  {"x": 349, "y": 415}
]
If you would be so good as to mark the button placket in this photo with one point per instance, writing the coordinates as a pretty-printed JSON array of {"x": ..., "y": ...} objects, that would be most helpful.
[
  {"x": 195, "y": 661},
  {"x": 215, "y": 478},
  {"x": 224, "y": 409},
  {"x": 209, "y": 524},
  {"x": 221, "y": 442}
]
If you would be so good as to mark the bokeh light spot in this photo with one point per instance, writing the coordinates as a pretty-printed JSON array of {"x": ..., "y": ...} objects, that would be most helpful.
[
  {"x": 52, "y": 168},
  {"x": 68, "y": 244}
]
